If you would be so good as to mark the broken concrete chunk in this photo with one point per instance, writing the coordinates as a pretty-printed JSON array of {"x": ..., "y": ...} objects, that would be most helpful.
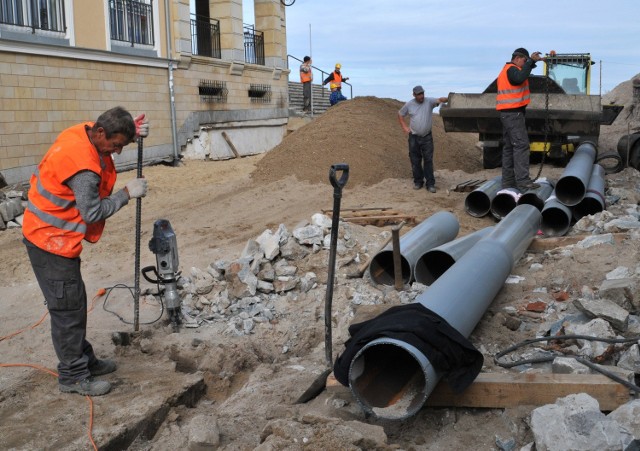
[
  {"x": 595, "y": 240},
  {"x": 624, "y": 292},
  {"x": 607, "y": 310},
  {"x": 630, "y": 359},
  {"x": 292, "y": 250},
  {"x": 567, "y": 365},
  {"x": 321, "y": 220},
  {"x": 309, "y": 235},
  {"x": 204, "y": 433}
]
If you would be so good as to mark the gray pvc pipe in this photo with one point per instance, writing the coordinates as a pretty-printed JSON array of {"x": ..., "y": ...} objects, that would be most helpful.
[
  {"x": 594, "y": 201},
  {"x": 538, "y": 196},
  {"x": 503, "y": 203},
  {"x": 573, "y": 183},
  {"x": 392, "y": 379},
  {"x": 478, "y": 201},
  {"x": 433, "y": 263},
  {"x": 438, "y": 229},
  {"x": 556, "y": 217}
]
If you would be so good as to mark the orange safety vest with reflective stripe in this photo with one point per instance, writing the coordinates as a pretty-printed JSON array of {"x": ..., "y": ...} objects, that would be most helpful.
[
  {"x": 511, "y": 96},
  {"x": 337, "y": 79},
  {"x": 305, "y": 76},
  {"x": 52, "y": 220}
]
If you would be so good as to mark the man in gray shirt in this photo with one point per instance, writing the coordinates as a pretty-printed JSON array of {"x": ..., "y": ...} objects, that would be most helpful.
[{"x": 420, "y": 111}]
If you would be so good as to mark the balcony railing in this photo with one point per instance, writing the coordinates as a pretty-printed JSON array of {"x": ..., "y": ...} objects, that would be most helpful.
[
  {"x": 253, "y": 46},
  {"x": 35, "y": 14},
  {"x": 205, "y": 37},
  {"x": 131, "y": 21}
]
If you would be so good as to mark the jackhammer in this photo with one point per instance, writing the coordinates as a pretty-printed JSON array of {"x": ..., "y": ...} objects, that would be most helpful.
[{"x": 165, "y": 246}]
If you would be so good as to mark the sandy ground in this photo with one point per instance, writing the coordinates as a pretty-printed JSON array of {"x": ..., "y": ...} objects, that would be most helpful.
[{"x": 245, "y": 387}]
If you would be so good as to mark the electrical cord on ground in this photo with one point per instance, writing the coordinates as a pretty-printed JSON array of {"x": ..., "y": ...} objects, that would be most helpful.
[
  {"x": 54, "y": 374},
  {"x": 121, "y": 285},
  {"x": 579, "y": 359}
]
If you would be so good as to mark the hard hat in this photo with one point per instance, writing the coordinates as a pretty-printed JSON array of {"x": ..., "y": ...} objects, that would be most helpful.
[
  {"x": 333, "y": 85},
  {"x": 338, "y": 65}
]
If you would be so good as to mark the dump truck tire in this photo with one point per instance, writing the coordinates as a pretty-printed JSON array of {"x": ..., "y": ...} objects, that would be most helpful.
[{"x": 491, "y": 157}]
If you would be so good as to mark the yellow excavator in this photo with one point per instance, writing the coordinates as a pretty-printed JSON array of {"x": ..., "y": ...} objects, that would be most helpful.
[{"x": 561, "y": 115}]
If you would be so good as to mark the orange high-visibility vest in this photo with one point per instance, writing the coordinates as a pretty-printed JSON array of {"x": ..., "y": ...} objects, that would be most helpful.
[
  {"x": 305, "y": 76},
  {"x": 511, "y": 96},
  {"x": 337, "y": 79},
  {"x": 52, "y": 221}
]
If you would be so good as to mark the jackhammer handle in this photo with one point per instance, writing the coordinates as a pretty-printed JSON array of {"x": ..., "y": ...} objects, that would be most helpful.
[{"x": 342, "y": 181}]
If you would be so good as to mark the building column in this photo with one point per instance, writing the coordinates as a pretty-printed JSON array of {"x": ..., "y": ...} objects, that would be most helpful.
[
  {"x": 270, "y": 19},
  {"x": 229, "y": 12}
]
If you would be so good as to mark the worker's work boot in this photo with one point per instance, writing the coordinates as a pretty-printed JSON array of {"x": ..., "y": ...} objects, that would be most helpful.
[
  {"x": 87, "y": 387},
  {"x": 102, "y": 367},
  {"x": 431, "y": 189},
  {"x": 528, "y": 186}
]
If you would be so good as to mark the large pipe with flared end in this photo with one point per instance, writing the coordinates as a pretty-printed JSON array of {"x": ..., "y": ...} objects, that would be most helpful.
[
  {"x": 556, "y": 217},
  {"x": 432, "y": 264},
  {"x": 594, "y": 201},
  {"x": 538, "y": 196},
  {"x": 573, "y": 183},
  {"x": 478, "y": 201},
  {"x": 392, "y": 379},
  {"x": 438, "y": 229}
]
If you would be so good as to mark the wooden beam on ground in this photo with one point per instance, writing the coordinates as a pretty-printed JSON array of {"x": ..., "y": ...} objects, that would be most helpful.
[
  {"x": 501, "y": 390},
  {"x": 540, "y": 244},
  {"x": 228, "y": 140}
]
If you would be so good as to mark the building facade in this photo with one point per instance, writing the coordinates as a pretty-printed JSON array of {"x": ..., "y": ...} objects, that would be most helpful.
[{"x": 194, "y": 68}]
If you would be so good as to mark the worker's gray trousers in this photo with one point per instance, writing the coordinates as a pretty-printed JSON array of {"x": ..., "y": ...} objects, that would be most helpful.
[
  {"x": 65, "y": 296},
  {"x": 306, "y": 96},
  {"x": 515, "y": 150},
  {"x": 421, "y": 157}
]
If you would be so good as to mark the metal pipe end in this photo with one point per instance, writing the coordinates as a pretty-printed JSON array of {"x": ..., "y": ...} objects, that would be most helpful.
[{"x": 391, "y": 379}]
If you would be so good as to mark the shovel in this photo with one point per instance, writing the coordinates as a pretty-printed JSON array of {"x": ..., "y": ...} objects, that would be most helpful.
[{"x": 318, "y": 385}]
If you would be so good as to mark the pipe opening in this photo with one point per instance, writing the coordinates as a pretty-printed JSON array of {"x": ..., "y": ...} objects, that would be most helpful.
[
  {"x": 501, "y": 205},
  {"x": 555, "y": 222},
  {"x": 531, "y": 199},
  {"x": 587, "y": 206},
  {"x": 570, "y": 190},
  {"x": 388, "y": 381},
  {"x": 382, "y": 271},
  {"x": 432, "y": 265},
  {"x": 477, "y": 204}
]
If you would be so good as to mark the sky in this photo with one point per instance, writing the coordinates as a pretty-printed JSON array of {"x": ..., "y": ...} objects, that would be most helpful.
[{"x": 388, "y": 46}]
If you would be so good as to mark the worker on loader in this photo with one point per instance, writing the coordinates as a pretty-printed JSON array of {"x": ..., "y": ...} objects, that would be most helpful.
[
  {"x": 335, "y": 96},
  {"x": 511, "y": 102},
  {"x": 69, "y": 200},
  {"x": 336, "y": 77}
]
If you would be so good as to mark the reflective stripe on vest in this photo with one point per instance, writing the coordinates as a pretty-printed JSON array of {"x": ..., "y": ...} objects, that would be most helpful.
[
  {"x": 337, "y": 79},
  {"x": 511, "y": 96},
  {"x": 79, "y": 227},
  {"x": 55, "y": 200}
]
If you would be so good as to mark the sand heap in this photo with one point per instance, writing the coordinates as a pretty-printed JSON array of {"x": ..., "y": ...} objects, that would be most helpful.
[{"x": 365, "y": 134}]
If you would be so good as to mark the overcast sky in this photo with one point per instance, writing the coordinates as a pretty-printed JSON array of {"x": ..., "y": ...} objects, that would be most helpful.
[{"x": 388, "y": 46}]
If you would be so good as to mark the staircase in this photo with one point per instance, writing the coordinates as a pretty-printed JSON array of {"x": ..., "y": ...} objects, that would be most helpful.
[{"x": 319, "y": 98}]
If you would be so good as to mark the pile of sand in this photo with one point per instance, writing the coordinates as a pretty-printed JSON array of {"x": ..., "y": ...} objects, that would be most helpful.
[{"x": 365, "y": 134}]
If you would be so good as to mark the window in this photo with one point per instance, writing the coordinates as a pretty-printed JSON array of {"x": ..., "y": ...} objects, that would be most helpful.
[
  {"x": 131, "y": 21},
  {"x": 47, "y": 15}
]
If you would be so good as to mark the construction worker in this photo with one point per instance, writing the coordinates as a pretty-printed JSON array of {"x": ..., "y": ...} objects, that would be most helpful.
[
  {"x": 306, "y": 78},
  {"x": 336, "y": 96},
  {"x": 420, "y": 112},
  {"x": 69, "y": 200},
  {"x": 336, "y": 77},
  {"x": 511, "y": 101}
]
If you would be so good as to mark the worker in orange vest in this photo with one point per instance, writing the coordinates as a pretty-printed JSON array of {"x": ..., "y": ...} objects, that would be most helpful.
[
  {"x": 511, "y": 101},
  {"x": 306, "y": 78},
  {"x": 69, "y": 200},
  {"x": 336, "y": 77}
]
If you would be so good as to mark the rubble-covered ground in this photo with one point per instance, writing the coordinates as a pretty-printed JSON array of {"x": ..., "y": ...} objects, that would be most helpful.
[{"x": 253, "y": 258}]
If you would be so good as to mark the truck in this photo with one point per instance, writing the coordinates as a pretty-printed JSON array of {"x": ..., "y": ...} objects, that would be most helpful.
[{"x": 562, "y": 112}]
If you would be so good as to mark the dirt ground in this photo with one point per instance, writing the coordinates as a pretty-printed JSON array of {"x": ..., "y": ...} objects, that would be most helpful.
[{"x": 246, "y": 386}]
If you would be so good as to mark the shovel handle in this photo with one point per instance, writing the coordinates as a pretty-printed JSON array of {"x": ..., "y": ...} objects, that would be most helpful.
[{"x": 342, "y": 181}]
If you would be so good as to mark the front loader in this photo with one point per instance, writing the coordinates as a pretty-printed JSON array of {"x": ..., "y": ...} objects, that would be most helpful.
[{"x": 561, "y": 115}]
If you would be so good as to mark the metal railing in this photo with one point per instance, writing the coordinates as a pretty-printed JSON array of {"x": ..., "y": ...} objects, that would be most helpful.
[
  {"x": 324, "y": 75},
  {"x": 131, "y": 21},
  {"x": 253, "y": 45},
  {"x": 35, "y": 14},
  {"x": 205, "y": 36}
]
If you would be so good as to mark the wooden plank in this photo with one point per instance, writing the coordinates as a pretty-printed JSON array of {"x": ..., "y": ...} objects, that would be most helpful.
[
  {"x": 228, "y": 140},
  {"x": 364, "y": 214},
  {"x": 381, "y": 219},
  {"x": 500, "y": 390},
  {"x": 540, "y": 244},
  {"x": 343, "y": 210}
]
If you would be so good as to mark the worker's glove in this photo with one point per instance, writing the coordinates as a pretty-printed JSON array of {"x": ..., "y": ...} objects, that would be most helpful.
[
  {"x": 345, "y": 78},
  {"x": 136, "y": 188},
  {"x": 142, "y": 126}
]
